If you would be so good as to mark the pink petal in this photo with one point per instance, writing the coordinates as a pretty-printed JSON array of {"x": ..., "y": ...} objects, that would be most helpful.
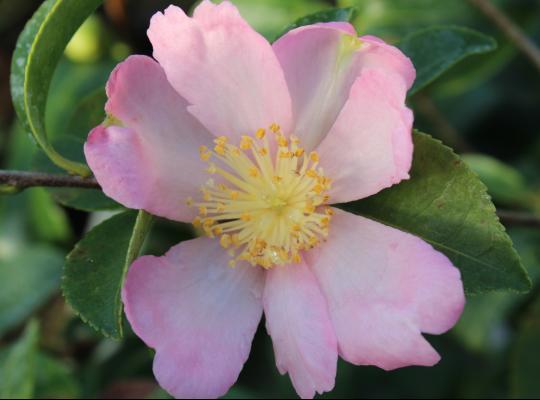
[
  {"x": 298, "y": 321},
  {"x": 226, "y": 70},
  {"x": 370, "y": 146},
  {"x": 377, "y": 54},
  {"x": 319, "y": 77},
  {"x": 199, "y": 314},
  {"x": 384, "y": 288},
  {"x": 152, "y": 162},
  {"x": 321, "y": 63}
]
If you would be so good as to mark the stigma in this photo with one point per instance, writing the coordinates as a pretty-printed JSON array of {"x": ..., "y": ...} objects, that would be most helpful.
[{"x": 266, "y": 199}]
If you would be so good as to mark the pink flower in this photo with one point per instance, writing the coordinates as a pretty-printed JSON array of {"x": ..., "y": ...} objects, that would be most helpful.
[{"x": 251, "y": 142}]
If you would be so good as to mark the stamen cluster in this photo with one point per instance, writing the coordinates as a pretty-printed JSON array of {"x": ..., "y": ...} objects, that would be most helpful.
[{"x": 266, "y": 203}]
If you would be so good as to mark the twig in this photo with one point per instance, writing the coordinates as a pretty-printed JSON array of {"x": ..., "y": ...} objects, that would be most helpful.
[
  {"x": 20, "y": 180},
  {"x": 516, "y": 218},
  {"x": 510, "y": 29}
]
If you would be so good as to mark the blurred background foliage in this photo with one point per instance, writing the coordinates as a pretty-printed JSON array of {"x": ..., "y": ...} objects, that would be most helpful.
[{"x": 487, "y": 108}]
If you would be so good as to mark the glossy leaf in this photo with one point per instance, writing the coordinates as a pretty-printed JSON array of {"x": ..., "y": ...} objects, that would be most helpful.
[
  {"x": 17, "y": 366},
  {"x": 95, "y": 270},
  {"x": 504, "y": 183},
  {"x": 27, "y": 279},
  {"x": 332, "y": 15},
  {"x": 268, "y": 17},
  {"x": 38, "y": 51},
  {"x": 434, "y": 50},
  {"x": 394, "y": 19},
  {"x": 446, "y": 204},
  {"x": 88, "y": 114}
]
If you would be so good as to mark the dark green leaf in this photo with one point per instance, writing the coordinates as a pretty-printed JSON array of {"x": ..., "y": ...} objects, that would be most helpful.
[
  {"x": 394, "y": 19},
  {"x": 95, "y": 270},
  {"x": 446, "y": 204},
  {"x": 27, "y": 280},
  {"x": 81, "y": 199},
  {"x": 332, "y": 15},
  {"x": 504, "y": 183},
  {"x": 268, "y": 17},
  {"x": 17, "y": 366},
  {"x": 38, "y": 51},
  {"x": 434, "y": 50}
]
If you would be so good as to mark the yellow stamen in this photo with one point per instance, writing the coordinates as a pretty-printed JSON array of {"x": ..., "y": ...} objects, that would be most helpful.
[
  {"x": 275, "y": 128},
  {"x": 260, "y": 133},
  {"x": 246, "y": 143},
  {"x": 282, "y": 141},
  {"x": 270, "y": 205},
  {"x": 254, "y": 172},
  {"x": 225, "y": 241},
  {"x": 220, "y": 149}
]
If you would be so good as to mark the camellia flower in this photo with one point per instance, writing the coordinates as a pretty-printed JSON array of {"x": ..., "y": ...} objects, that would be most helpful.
[{"x": 251, "y": 142}]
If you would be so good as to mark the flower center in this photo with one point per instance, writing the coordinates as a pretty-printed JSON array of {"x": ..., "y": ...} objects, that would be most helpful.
[{"x": 268, "y": 206}]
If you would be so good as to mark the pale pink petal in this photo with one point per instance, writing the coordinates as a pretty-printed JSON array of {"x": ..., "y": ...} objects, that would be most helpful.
[
  {"x": 298, "y": 321},
  {"x": 226, "y": 70},
  {"x": 343, "y": 26},
  {"x": 377, "y": 54},
  {"x": 321, "y": 62},
  {"x": 199, "y": 315},
  {"x": 384, "y": 288},
  {"x": 370, "y": 146},
  {"x": 152, "y": 161},
  {"x": 319, "y": 73}
]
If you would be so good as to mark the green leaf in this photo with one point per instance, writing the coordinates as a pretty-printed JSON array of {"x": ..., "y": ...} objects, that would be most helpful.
[
  {"x": 39, "y": 48},
  {"x": 80, "y": 199},
  {"x": 394, "y": 19},
  {"x": 27, "y": 279},
  {"x": 331, "y": 15},
  {"x": 95, "y": 270},
  {"x": 525, "y": 362},
  {"x": 268, "y": 17},
  {"x": 446, "y": 204},
  {"x": 17, "y": 367},
  {"x": 504, "y": 183},
  {"x": 434, "y": 50}
]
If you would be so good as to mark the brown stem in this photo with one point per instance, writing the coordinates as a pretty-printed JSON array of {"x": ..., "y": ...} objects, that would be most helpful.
[
  {"x": 510, "y": 29},
  {"x": 516, "y": 218},
  {"x": 20, "y": 180}
]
